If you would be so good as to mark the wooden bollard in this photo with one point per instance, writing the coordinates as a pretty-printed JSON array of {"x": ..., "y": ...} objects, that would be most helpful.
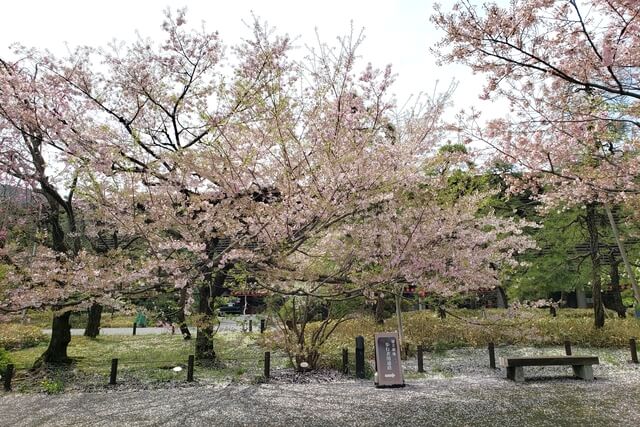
[
  {"x": 634, "y": 350},
  {"x": 8, "y": 375},
  {"x": 263, "y": 324},
  {"x": 267, "y": 364},
  {"x": 345, "y": 361},
  {"x": 135, "y": 326},
  {"x": 114, "y": 372},
  {"x": 420, "y": 359},
  {"x": 567, "y": 347},
  {"x": 190, "y": 368},
  {"x": 553, "y": 311},
  {"x": 492, "y": 356},
  {"x": 359, "y": 357},
  {"x": 250, "y": 325}
]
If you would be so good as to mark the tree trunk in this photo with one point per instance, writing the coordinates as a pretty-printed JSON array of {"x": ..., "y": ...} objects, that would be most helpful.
[
  {"x": 56, "y": 353},
  {"x": 594, "y": 253},
  {"x": 399, "y": 316},
  {"x": 616, "y": 297},
  {"x": 379, "y": 308},
  {"x": 184, "y": 330},
  {"x": 324, "y": 311},
  {"x": 501, "y": 298},
  {"x": 623, "y": 254},
  {"x": 204, "y": 341},
  {"x": 93, "y": 321}
]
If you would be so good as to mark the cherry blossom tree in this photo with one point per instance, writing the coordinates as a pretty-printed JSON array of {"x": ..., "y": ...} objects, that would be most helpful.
[
  {"x": 570, "y": 72},
  {"x": 202, "y": 162},
  {"x": 166, "y": 170},
  {"x": 49, "y": 135},
  {"x": 37, "y": 117}
]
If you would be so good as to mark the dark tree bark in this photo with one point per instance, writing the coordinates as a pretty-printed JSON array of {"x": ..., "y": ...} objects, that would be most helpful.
[
  {"x": 56, "y": 353},
  {"x": 594, "y": 254},
  {"x": 616, "y": 298},
  {"x": 184, "y": 330},
  {"x": 93, "y": 321},
  {"x": 204, "y": 340},
  {"x": 324, "y": 311},
  {"x": 379, "y": 308},
  {"x": 501, "y": 298}
]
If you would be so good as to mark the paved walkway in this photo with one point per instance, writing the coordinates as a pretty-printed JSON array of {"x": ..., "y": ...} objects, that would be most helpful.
[
  {"x": 128, "y": 331},
  {"x": 226, "y": 324}
]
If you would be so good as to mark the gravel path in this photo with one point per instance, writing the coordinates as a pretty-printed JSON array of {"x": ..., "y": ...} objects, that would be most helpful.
[
  {"x": 434, "y": 402},
  {"x": 455, "y": 391}
]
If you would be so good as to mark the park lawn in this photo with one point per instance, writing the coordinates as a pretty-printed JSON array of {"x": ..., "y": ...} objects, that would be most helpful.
[
  {"x": 15, "y": 336},
  {"x": 144, "y": 359},
  {"x": 95, "y": 354},
  {"x": 241, "y": 354}
]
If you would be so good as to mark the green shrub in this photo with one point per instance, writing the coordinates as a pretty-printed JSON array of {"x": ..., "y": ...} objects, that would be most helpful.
[
  {"x": 52, "y": 386},
  {"x": 14, "y": 336},
  {"x": 469, "y": 328},
  {"x": 4, "y": 360}
]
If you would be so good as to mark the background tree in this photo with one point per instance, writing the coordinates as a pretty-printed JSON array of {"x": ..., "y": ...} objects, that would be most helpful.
[
  {"x": 572, "y": 81},
  {"x": 38, "y": 118}
]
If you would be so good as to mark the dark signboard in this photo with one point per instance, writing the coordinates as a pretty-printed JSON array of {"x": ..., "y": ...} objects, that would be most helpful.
[{"x": 388, "y": 363}]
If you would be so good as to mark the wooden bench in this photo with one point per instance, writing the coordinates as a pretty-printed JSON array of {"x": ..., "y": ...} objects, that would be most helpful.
[{"x": 582, "y": 365}]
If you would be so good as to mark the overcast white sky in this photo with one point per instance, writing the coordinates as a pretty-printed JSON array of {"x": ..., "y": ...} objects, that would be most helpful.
[{"x": 397, "y": 32}]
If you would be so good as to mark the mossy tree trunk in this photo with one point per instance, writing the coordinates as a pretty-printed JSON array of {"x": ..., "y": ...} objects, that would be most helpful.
[
  {"x": 208, "y": 292},
  {"x": 616, "y": 297},
  {"x": 379, "y": 308},
  {"x": 184, "y": 329}
]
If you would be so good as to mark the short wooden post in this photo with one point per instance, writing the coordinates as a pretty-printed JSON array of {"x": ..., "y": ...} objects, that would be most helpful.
[
  {"x": 634, "y": 350},
  {"x": 8, "y": 375},
  {"x": 250, "y": 325},
  {"x": 190, "y": 368},
  {"x": 267, "y": 364},
  {"x": 345, "y": 361},
  {"x": 359, "y": 357},
  {"x": 114, "y": 372},
  {"x": 492, "y": 356},
  {"x": 135, "y": 326},
  {"x": 553, "y": 311},
  {"x": 420, "y": 359},
  {"x": 567, "y": 347},
  {"x": 263, "y": 323}
]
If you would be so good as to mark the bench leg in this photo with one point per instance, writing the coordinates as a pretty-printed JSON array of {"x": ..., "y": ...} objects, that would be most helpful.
[
  {"x": 583, "y": 371},
  {"x": 516, "y": 374}
]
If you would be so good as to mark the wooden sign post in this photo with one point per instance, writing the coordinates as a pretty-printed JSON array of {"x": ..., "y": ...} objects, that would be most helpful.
[{"x": 388, "y": 365}]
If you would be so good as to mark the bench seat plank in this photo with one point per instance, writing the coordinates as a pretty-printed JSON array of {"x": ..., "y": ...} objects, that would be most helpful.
[
  {"x": 548, "y": 361},
  {"x": 581, "y": 365}
]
